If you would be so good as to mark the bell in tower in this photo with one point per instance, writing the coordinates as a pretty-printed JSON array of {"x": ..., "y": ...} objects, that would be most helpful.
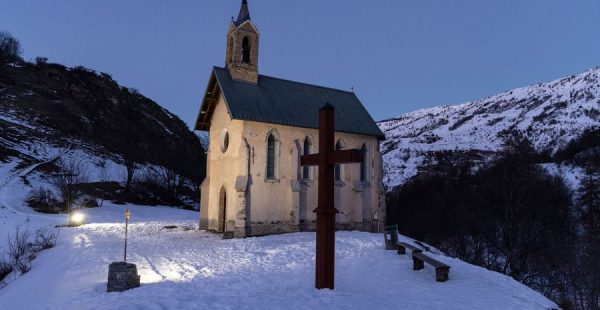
[{"x": 242, "y": 47}]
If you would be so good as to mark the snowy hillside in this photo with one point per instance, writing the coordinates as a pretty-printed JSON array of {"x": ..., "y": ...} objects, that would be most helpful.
[
  {"x": 51, "y": 114},
  {"x": 548, "y": 114},
  {"x": 184, "y": 268},
  {"x": 48, "y": 109}
]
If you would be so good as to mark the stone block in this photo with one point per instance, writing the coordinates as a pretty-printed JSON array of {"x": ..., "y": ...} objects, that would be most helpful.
[{"x": 122, "y": 276}]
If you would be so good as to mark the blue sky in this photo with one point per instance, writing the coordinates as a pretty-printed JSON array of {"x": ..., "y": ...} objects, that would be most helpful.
[{"x": 398, "y": 55}]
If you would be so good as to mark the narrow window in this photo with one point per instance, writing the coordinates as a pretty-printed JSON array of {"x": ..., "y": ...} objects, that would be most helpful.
[
  {"x": 246, "y": 50},
  {"x": 271, "y": 157},
  {"x": 306, "y": 151},
  {"x": 363, "y": 164},
  {"x": 229, "y": 51},
  {"x": 337, "y": 167}
]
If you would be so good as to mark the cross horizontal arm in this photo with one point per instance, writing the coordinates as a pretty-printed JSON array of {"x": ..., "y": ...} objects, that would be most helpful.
[
  {"x": 309, "y": 160},
  {"x": 346, "y": 157},
  {"x": 335, "y": 157}
]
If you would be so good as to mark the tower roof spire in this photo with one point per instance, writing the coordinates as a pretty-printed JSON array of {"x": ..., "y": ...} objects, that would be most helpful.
[{"x": 244, "y": 13}]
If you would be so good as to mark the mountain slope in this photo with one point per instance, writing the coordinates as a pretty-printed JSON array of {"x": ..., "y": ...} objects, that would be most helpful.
[
  {"x": 548, "y": 114},
  {"x": 78, "y": 108}
]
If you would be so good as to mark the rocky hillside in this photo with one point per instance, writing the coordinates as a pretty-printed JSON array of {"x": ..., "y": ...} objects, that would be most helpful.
[
  {"x": 48, "y": 111},
  {"x": 548, "y": 114}
]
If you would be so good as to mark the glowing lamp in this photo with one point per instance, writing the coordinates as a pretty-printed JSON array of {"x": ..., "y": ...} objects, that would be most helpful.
[{"x": 76, "y": 218}]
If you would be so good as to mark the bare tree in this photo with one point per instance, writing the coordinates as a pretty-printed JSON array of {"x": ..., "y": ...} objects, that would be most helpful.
[
  {"x": 130, "y": 168},
  {"x": 71, "y": 173},
  {"x": 172, "y": 181},
  {"x": 104, "y": 175},
  {"x": 10, "y": 48},
  {"x": 20, "y": 251},
  {"x": 130, "y": 156}
]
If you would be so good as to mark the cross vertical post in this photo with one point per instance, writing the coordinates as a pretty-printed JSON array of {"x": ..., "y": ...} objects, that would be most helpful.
[
  {"x": 326, "y": 160},
  {"x": 324, "y": 276}
]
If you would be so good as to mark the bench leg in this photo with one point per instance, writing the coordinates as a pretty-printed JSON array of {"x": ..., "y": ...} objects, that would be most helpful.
[
  {"x": 441, "y": 274},
  {"x": 401, "y": 249},
  {"x": 389, "y": 245},
  {"x": 418, "y": 264}
]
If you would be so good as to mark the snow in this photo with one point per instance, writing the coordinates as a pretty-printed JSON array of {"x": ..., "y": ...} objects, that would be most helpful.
[
  {"x": 548, "y": 114},
  {"x": 570, "y": 174},
  {"x": 195, "y": 269},
  {"x": 185, "y": 268}
]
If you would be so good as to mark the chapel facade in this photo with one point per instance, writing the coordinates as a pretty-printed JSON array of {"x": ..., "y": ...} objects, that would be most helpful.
[{"x": 258, "y": 128}]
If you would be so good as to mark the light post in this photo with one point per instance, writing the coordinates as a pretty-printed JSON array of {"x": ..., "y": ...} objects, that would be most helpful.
[
  {"x": 127, "y": 217},
  {"x": 123, "y": 275}
]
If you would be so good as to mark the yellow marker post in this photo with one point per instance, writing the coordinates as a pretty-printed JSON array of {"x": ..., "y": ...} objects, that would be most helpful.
[{"x": 127, "y": 217}]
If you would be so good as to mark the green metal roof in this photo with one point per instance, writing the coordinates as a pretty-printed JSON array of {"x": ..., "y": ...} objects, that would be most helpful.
[{"x": 284, "y": 102}]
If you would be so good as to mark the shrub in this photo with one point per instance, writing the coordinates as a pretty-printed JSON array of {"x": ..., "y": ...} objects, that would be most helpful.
[
  {"x": 5, "y": 268},
  {"x": 21, "y": 251},
  {"x": 45, "y": 238},
  {"x": 43, "y": 200},
  {"x": 89, "y": 202},
  {"x": 40, "y": 61},
  {"x": 10, "y": 48},
  {"x": 460, "y": 122}
]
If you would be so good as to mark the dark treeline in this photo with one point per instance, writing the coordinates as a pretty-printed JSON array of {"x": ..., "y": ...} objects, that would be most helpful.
[{"x": 513, "y": 217}]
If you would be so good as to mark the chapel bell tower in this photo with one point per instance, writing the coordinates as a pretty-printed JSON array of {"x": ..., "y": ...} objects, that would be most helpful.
[{"x": 242, "y": 47}]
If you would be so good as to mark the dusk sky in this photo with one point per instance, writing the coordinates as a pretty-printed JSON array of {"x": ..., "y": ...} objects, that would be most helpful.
[{"x": 398, "y": 55}]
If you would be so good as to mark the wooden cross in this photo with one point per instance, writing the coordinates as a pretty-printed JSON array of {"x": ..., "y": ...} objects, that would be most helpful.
[{"x": 326, "y": 160}]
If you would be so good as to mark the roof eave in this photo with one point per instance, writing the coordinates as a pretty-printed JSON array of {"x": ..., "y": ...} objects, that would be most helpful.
[{"x": 203, "y": 118}]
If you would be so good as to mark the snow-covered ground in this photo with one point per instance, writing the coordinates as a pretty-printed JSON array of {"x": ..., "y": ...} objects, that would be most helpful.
[
  {"x": 191, "y": 269},
  {"x": 184, "y": 268}
]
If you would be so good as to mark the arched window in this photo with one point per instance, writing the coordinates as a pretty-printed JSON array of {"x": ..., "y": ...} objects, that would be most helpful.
[
  {"x": 363, "y": 164},
  {"x": 246, "y": 50},
  {"x": 337, "y": 167},
  {"x": 306, "y": 150},
  {"x": 271, "y": 156}
]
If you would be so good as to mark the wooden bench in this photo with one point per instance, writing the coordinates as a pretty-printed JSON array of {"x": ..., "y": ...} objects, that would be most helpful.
[
  {"x": 441, "y": 270},
  {"x": 402, "y": 246}
]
